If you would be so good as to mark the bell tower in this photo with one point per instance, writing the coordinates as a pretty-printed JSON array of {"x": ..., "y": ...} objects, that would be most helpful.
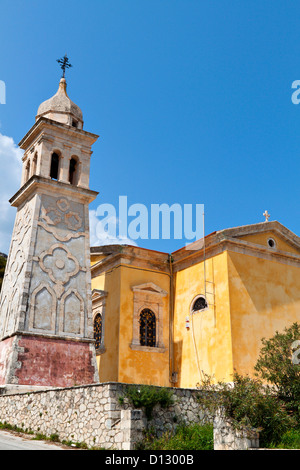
[{"x": 46, "y": 328}]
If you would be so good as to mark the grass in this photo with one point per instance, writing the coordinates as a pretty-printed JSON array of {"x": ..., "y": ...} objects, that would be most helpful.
[
  {"x": 290, "y": 440},
  {"x": 193, "y": 437}
]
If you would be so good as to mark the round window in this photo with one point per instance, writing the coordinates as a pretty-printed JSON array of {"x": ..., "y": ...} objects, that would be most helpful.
[{"x": 271, "y": 243}]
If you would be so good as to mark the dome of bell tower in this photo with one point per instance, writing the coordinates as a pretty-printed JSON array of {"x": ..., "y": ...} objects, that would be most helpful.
[{"x": 61, "y": 109}]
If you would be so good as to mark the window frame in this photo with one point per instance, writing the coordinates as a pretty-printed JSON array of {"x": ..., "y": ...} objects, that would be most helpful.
[
  {"x": 73, "y": 177},
  {"x": 149, "y": 296},
  {"x": 199, "y": 296},
  {"x": 99, "y": 306},
  {"x": 98, "y": 314},
  {"x": 58, "y": 154}
]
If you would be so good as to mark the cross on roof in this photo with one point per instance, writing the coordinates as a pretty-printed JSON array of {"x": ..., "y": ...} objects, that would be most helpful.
[
  {"x": 267, "y": 216},
  {"x": 64, "y": 64}
]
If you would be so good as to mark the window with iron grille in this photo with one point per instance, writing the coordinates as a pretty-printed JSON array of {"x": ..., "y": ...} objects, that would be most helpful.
[
  {"x": 98, "y": 330},
  {"x": 147, "y": 328}
]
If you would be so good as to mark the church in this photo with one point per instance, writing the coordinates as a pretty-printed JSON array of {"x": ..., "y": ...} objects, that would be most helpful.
[
  {"x": 72, "y": 314},
  {"x": 172, "y": 319}
]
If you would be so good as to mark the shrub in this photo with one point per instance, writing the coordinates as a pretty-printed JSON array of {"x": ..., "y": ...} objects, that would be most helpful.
[
  {"x": 147, "y": 396},
  {"x": 193, "y": 437},
  {"x": 290, "y": 440},
  {"x": 275, "y": 366},
  {"x": 247, "y": 403}
]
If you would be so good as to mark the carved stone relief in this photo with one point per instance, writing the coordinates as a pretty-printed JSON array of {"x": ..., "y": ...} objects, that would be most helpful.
[
  {"x": 72, "y": 313},
  {"x": 60, "y": 214},
  {"x": 14, "y": 279},
  {"x": 61, "y": 267},
  {"x": 53, "y": 278},
  {"x": 43, "y": 309}
]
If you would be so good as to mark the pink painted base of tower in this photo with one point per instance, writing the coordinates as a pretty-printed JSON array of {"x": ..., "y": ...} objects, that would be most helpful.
[
  {"x": 40, "y": 361},
  {"x": 5, "y": 354}
]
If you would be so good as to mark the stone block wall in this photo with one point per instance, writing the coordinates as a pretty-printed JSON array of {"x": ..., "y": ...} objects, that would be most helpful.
[
  {"x": 93, "y": 414},
  {"x": 186, "y": 409},
  {"x": 228, "y": 438}
]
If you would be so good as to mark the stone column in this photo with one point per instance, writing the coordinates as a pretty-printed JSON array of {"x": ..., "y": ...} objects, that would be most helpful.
[{"x": 132, "y": 426}]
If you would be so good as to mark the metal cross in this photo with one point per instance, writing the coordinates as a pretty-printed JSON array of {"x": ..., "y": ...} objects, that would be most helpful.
[
  {"x": 64, "y": 64},
  {"x": 267, "y": 216}
]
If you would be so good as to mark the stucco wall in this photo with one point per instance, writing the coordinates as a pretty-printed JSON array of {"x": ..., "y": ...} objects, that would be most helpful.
[
  {"x": 264, "y": 298},
  {"x": 108, "y": 364},
  {"x": 46, "y": 362},
  {"x": 120, "y": 362},
  {"x": 205, "y": 347},
  {"x": 143, "y": 366}
]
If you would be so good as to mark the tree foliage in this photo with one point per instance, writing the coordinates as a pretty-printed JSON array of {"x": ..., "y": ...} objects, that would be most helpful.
[
  {"x": 269, "y": 402},
  {"x": 249, "y": 404},
  {"x": 275, "y": 366},
  {"x": 2, "y": 269}
]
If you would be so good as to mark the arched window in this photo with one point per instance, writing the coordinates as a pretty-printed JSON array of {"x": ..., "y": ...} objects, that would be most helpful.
[
  {"x": 34, "y": 164},
  {"x": 27, "y": 174},
  {"x": 199, "y": 304},
  {"x": 54, "y": 166},
  {"x": 73, "y": 171},
  {"x": 147, "y": 328},
  {"x": 98, "y": 330}
]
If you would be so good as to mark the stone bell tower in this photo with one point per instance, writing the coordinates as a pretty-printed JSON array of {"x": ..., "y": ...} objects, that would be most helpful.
[{"x": 46, "y": 328}]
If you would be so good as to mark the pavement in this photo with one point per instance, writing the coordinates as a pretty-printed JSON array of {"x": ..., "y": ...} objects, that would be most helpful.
[{"x": 12, "y": 441}]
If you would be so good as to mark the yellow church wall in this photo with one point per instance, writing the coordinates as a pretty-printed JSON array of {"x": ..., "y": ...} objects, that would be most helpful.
[
  {"x": 264, "y": 298},
  {"x": 262, "y": 239},
  {"x": 140, "y": 366},
  {"x": 252, "y": 292},
  {"x": 107, "y": 362},
  {"x": 211, "y": 353}
]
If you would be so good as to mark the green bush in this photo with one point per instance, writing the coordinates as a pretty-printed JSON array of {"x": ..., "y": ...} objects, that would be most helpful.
[
  {"x": 275, "y": 366},
  {"x": 193, "y": 437},
  {"x": 147, "y": 396},
  {"x": 290, "y": 440},
  {"x": 248, "y": 403}
]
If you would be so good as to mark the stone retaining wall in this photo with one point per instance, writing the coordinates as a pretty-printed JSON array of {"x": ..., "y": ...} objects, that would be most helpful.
[
  {"x": 228, "y": 438},
  {"x": 93, "y": 414}
]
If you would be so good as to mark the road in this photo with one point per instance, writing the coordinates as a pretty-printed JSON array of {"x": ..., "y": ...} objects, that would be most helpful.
[{"x": 10, "y": 441}]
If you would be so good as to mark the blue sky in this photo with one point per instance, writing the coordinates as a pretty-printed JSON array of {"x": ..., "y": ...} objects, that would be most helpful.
[{"x": 191, "y": 99}]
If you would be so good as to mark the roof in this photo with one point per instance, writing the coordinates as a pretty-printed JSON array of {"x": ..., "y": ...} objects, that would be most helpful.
[
  {"x": 60, "y": 103},
  {"x": 216, "y": 242}
]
